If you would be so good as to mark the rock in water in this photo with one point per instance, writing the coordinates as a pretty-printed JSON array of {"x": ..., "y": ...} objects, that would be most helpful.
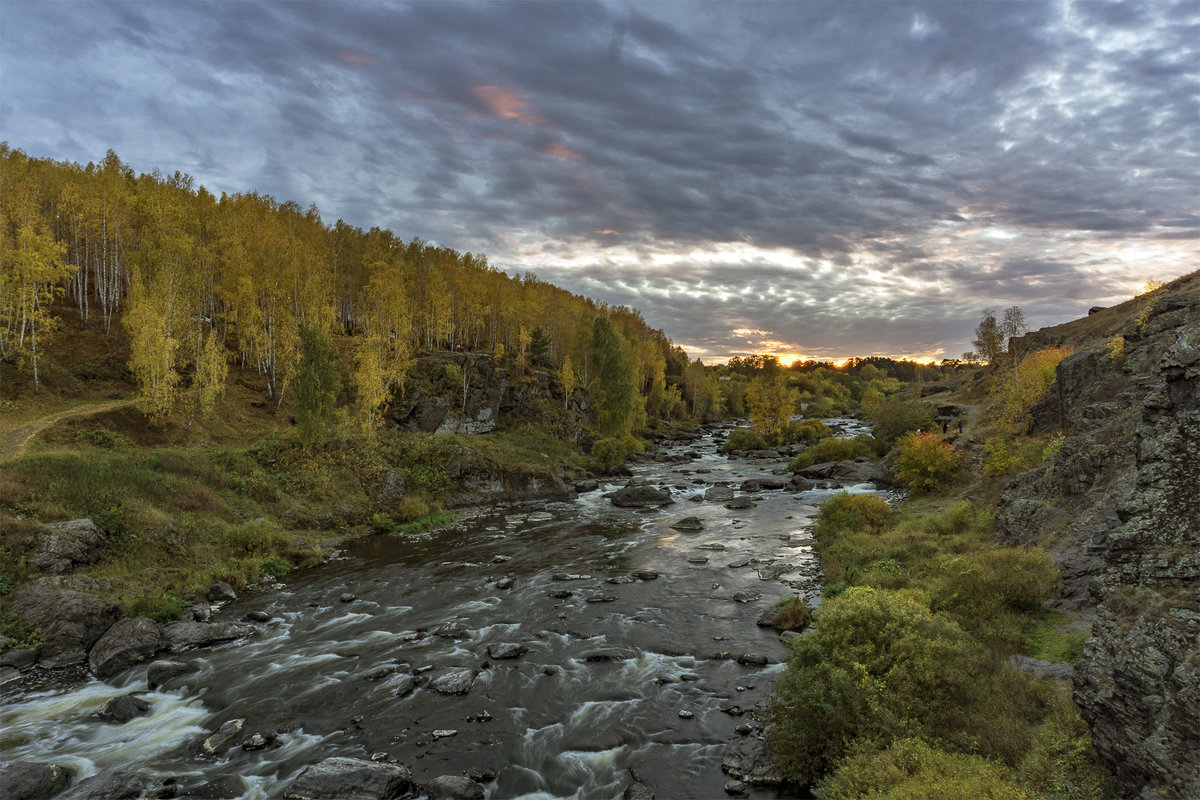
[
  {"x": 162, "y": 673},
  {"x": 637, "y": 791},
  {"x": 750, "y": 759},
  {"x": 119, "y": 785},
  {"x": 453, "y": 681},
  {"x": 179, "y": 636},
  {"x": 719, "y": 493},
  {"x": 221, "y": 592},
  {"x": 350, "y": 779},
  {"x": 223, "y": 738},
  {"x": 454, "y": 787},
  {"x": 640, "y": 497},
  {"x": 124, "y": 708},
  {"x": 740, "y": 502},
  {"x": 24, "y": 780},
  {"x": 689, "y": 524},
  {"x": 506, "y": 650},
  {"x": 129, "y": 641}
]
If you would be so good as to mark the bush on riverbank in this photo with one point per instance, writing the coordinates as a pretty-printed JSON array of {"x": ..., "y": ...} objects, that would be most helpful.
[
  {"x": 834, "y": 449},
  {"x": 926, "y": 462}
]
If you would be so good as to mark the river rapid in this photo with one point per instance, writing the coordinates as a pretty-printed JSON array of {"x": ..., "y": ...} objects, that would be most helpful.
[{"x": 617, "y": 671}]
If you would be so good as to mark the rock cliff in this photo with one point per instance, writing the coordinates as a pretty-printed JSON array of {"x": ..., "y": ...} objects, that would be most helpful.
[{"x": 1119, "y": 506}]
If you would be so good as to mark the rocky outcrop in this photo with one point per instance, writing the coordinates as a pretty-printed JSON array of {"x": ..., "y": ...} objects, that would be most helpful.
[
  {"x": 70, "y": 617},
  {"x": 63, "y": 546},
  {"x": 1118, "y": 507},
  {"x": 129, "y": 641},
  {"x": 24, "y": 780}
]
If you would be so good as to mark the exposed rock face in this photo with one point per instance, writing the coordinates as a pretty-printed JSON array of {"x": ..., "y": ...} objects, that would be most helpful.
[
  {"x": 71, "y": 618},
  {"x": 1119, "y": 506},
  {"x": 350, "y": 779},
  {"x": 65, "y": 545},
  {"x": 129, "y": 641}
]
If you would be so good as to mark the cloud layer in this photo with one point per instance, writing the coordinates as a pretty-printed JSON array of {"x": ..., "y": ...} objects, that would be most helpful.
[{"x": 819, "y": 179}]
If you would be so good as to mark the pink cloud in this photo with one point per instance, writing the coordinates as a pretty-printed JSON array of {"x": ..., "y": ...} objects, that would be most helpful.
[{"x": 507, "y": 104}]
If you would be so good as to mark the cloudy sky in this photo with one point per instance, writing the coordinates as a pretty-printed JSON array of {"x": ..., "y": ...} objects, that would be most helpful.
[{"x": 817, "y": 179}]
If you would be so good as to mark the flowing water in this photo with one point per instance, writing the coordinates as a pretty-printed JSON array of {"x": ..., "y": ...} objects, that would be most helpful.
[{"x": 551, "y": 723}]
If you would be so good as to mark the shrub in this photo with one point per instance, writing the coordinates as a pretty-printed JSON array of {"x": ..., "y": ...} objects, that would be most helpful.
[
  {"x": 976, "y": 585},
  {"x": 911, "y": 769},
  {"x": 926, "y": 462},
  {"x": 791, "y": 614},
  {"x": 743, "y": 439},
  {"x": 160, "y": 609},
  {"x": 845, "y": 512},
  {"x": 608, "y": 454},
  {"x": 880, "y": 666},
  {"x": 258, "y": 537},
  {"x": 809, "y": 429},
  {"x": 832, "y": 449},
  {"x": 896, "y": 416},
  {"x": 1003, "y": 455}
]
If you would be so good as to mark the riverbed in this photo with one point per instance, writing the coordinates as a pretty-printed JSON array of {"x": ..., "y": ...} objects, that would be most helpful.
[{"x": 636, "y": 647}]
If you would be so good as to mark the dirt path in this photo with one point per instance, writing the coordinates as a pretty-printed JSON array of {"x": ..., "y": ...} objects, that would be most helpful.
[{"x": 12, "y": 442}]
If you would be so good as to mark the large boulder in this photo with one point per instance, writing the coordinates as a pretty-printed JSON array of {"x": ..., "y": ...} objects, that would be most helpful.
[
  {"x": 69, "y": 616},
  {"x": 119, "y": 785},
  {"x": 719, "y": 493},
  {"x": 454, "y": 787},
  {"x": 65, "y": 545},
  {"x": 350, "y": 779},
  {"x": 128, "y": 641},
  {"x": 453, "y": 681},
  {"x": 857, "y": 471},
  {"x": 640, "y": 497},
  {"x": 164, "y": 674},
  {"x": 25, "y": 780},
  {"x": 749, "y": 759},
  {"x": 125, "y": 708}
]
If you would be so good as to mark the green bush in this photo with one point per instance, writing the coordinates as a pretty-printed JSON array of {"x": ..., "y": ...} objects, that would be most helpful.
[
  {"x": 845, "y": 513},
  {"x": 879, "y": 666},
  {"x": 976, "y": 585},
  {"x": 911, "y": 769},
  {"x": 896, "y": 416},
  {"x": 926, "y": 462},
  {"x": 608, "y": 454},
  {"x": 1004, "y": 456},
  {"x": 160, "y": 609},
  {"x": 22, "y": 633},
  {"x": 809, "y": 429},
  {"x": 791, "y": 614},
  {"x": 743, "y": 439},
  {"x": 832, "y": 449},
  {"x": 258, "y": 537}
]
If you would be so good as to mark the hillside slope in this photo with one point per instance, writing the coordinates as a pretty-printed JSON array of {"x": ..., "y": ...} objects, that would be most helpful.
[{"x": 1119, "y": 506}]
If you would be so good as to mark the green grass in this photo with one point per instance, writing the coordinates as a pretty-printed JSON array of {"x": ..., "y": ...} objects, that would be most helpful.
[{"x": 1047, "y": 638}]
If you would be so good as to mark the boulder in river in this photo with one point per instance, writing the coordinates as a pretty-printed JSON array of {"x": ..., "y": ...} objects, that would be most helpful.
[
  {"x": 750, "y": 759},
  {"x": 124, "y": 708},
  {"x": 454, "y": 787},
  {"x": 65, "y": 545},
  {"x": 128, "y": 641},
  {"x": 223, "y": 738},
  {"x": 740, "y": 502},
  {"x": 752, "y": 660},
  {"x": 719, "y": 493},
  {"x": 25, "y": 780},
  {"x": 350, "y": 779},
  {"x": 582, "y": 487},
  {"x": 505, "y": 650},
  {"x": 645, "y": 575},
  {"x": 221, "y": 592},
  {"x": 457, "y": 680},
  {"x": 609, "y": 654},
  {"x": 689, "y": 524},
  {"x": 164, "y": 673},
  {"x": 640, "y": 497},
  {"x": 181, "y": 635},
  {"x": 848, "y": 472},
  {"x": 119, "y": 785}
]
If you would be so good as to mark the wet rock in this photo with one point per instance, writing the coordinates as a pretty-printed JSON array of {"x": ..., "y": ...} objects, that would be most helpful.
[
  {"x": 848, "y": 472},
  {"x": 582, "y": 487},
  {"x": 609, "y": 654},
  {"x": 501, "y": 559},
  {"x": 685, "y": 714},
  {"x": 744, "y": 729},
  {"x": 350, "y": 779},
  {"x": 379, "y": 673},
  {"x": 504, "y": 583},
  {"x": 198, "y": 612},
  {"x": 227, "y": 788},
  {"x": 750, "y": 759},
  {"x": 689, "y": 524},
  {"x": 601, "y": 598},
  {"x": 454, "y": 787},
  {"x": 24, "y": 780},
  {"x": 619, "y": 580},
  {"x": 404, "y": 685},
  {"x": 752, "y": 660},
  {"x": 755, "y": 485},
  {"x": 260, "y": 740},
  {"x": 223, "y": 738},
  {"x": 740, "y": 502},
  {"x": 766, "y": 619},
  {"x": 347, "y": 597},
  {"x": 774, "y": 571},
  {"x": 9, "y": 674},
  {"x": 165, "y": 673},
  {"x": 637, "y": 791},
  {"x": 179, "y": 636},
  {"x": 128, "y": 641},
  {"x": 739, "y": 563},
  {"x": 220, "y": 592},
  {"x": 735, "y": 788},
  {"x": 457, "y": 680},
  {"x": 452, "y": 630},
  {"x": 506, "y": 650},
  {"x": 746, "y": 597},
  {"x": 444, "y": 733},
  {"x": 560, "y": 594},
  {"x": 715, "y": 546},
  {"x": 640, "y": 497},
  {"x": 481, "y": 774},
  {"x": 119, "y": 785},
  {"x": 645, "y": 575},
  {"x": 23, "y": 658},
  {"x": 697, "y": 559},
  {"x": 257, "y": 616},
  {"x": 69, "y": 616},
  {"x": 719, "y": 493},
  {"x": 124, "y": 708},
  {"x": 569, "y": 576},
  {"x": 481, "y": 716},
  {"x": 789, "y": 636},
  {"x": 65, "y": 545}
]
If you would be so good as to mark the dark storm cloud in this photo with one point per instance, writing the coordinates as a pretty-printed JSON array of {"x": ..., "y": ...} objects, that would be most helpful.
[{"x": 905, "y": 164}]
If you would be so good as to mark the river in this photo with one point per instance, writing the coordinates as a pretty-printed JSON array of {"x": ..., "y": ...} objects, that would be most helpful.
[{"x": 618, "y": 672}]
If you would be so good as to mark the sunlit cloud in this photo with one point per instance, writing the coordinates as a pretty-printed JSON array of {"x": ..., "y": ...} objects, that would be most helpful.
[{"x": 507, "y": 103}]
